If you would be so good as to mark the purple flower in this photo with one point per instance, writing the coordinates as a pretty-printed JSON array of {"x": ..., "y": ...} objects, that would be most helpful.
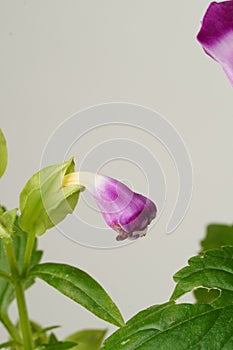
[
  {"x": 216, "y": 34},
  {"x": 126, "y": 212}
]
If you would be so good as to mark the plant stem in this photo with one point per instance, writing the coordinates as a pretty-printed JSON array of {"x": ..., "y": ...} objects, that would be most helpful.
[
  {"x": 23, "y": 316},
  {"x": 28, "y": 253},
  {"x": 10, "y": 327},
  {"x": 6, "y": 276},
  {"x": 20, "y": 296}
]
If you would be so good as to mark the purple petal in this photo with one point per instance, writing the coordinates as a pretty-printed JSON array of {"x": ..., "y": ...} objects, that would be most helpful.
[
  {"x": 216, "y": 34},
  {"x": 127, "y": 212}
]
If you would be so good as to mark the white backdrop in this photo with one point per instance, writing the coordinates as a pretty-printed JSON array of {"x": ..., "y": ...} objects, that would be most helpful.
[{"x": 58, "y": 57}]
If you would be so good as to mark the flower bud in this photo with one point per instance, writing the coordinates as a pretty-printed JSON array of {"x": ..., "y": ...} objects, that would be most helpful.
[{"x": 126, "y": 212}]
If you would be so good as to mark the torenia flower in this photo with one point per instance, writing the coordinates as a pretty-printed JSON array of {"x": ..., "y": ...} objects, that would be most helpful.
[
  {"x": 126, "y": 212},
  {"x": 216, "y": 35}
]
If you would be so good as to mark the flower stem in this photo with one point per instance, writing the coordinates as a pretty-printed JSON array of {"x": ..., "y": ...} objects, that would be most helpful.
[{"x": 20, "y": 296}]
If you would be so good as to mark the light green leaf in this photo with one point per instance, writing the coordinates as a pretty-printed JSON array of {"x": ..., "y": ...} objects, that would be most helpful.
[
  {"x": 178, "y": 327},
  {"x": 57, "y": 346},
  {"x": 89, "y": 339},
  {"x": 211, "y": 269},
  {"x": 43, "y": 201},
  {"x": 217, "y": 236},
  {"x": 19, "y": 237},
  {"x": 7, "y": 220},
  {"x": 80, "y": 287},
  {"x": 3, "y": 154}
]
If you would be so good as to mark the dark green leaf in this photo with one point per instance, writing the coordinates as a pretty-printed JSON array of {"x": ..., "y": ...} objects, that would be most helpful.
[
  {"x": 3, "y": 154},
  {"x": 224, "y": 297},
  {"x": 53, "y": 339},
  {"x": 7, "y": 345},
  {"x": 178, "y": 327},
  {"x": 43, "y": 201},
  {"x": 211, "y": 269},
  {"x": 89, "y": 339},
  {"x": 80, "y": 287},
  {"x": 217, "y": 236},
  {"x": 206, "y": 295},
  {"x": 56, "y": 346},
  {"x": 19, "y": 242}
]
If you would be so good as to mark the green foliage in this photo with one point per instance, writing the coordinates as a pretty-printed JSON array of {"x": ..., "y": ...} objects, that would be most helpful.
[
  {"x": 206, "y": 325},
  {"x": 211, "y": 269},
  {"x": 178, "y": 327},
  {"x": 43, "y": 201},
  {"x": 6, "y": 345},
  {"x": 19, "y": 237},
  {"x": 56, "y": 346},
  {"x": 3, "y": 154},
  {"x": 80, "y": 287},
  {"x": 89, "y": 339},
  {"x": 206, "y": 295},
  {"x": 217, "y": 236}
]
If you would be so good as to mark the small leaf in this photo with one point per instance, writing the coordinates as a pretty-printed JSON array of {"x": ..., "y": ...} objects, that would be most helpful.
[
  {"x": 211, "y": 269},
  {"x": 80, "y": 287},
  {"x": 7, "y": 345},
  {"x": 39, "y": 334},
  {"x": 89, "y": 339},
  {"x": 181, "y": 327},
  {"x": 57, "y": 346},
  {"x": 7, "y": 220},
  {"x": 53, "y": 339},
  {"x": 3, "y": 154},
  {"x": 19, "y": 238},
  {"x": 49, "y": 328},
  {"x": 217, "y": 236},
  {"x": 43, "y": 201},
  {"x": 206, "y": 295}
]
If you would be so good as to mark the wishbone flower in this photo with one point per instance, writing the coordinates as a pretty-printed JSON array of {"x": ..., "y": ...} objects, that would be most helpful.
[
  {"x": 126, "y": 212},
  {"x": 216, "y": 34}
]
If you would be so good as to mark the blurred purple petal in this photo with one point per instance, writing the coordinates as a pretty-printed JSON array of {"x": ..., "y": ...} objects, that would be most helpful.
[{"x": 216, "y": 34}]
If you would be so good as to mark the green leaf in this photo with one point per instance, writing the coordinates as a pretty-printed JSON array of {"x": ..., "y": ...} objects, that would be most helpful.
[
  {"x": 53, "y": 339},
  {"x": 211, "y": 269},
  {"x": 206, "y": 295},
  {"x": 43, "y": 201},
  {"x": 7, "y": 345},
  {"x": 7, "y": 220},
  {"x": 39, "y": 334},
  {"x": 217, "y": 236},
  {"x": 80, "y": 287},
  {"x": 178, "y": 327},
  {"x": 19, "y": 237},
  {"x": 89, "y": 339},
  {"x": 3, "y": 154},
  {"x": 56, "y": 346}
]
